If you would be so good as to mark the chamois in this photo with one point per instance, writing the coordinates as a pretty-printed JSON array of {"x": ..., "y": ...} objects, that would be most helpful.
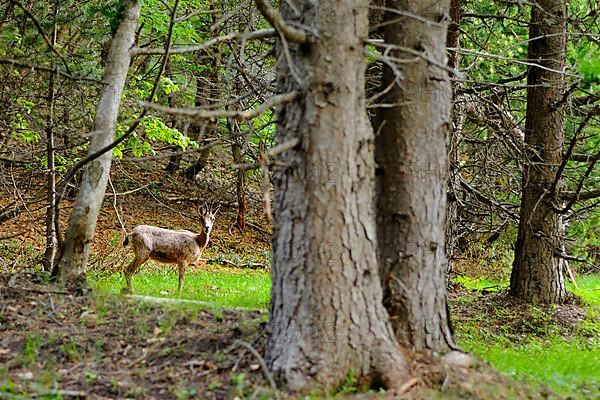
[{"x": 179, "y": 247}]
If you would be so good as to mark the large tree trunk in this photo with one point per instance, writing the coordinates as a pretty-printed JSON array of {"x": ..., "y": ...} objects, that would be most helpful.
[
  {"x": 82, "y": 222},
  {"x": 327, "y": 315},
  {"x": 412, "y": 176},
  {"x": 537, "y": 274}
]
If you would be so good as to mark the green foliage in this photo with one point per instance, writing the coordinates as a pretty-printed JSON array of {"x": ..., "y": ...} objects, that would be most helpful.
[
  {"x": 588, "y": 289},
  {"x": 70, "y": 351},
  {"x": 31, "y": 350},
  {"x": 21, "y": 125},
  {"x": 239, "y": 383},
  {"x": 350, "y": 385},
  {"x": 481, "y": 283}
]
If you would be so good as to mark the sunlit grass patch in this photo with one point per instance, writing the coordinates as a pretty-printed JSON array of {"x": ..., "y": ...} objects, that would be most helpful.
[
  {"x": 221, "y": 287},
  {"x": 588, "y": 288},
  {"x": 569, "y": 368},
  {"x": 481, "y": 283},
  {"x": 565, "y": 357}
]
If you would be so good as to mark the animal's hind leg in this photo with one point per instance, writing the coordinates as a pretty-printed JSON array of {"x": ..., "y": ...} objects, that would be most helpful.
[{"x": 132, "y": 269}]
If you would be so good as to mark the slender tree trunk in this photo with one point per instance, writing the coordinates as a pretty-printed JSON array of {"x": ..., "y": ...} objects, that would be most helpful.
[
  {"x": 82, "y": 222},
  {"x": 51, "y": 223},
  {"x": 237, "y": 150},
  {"x": 51, "y": 238},
  {"x": 204, "y": 98},
  {"x": 412, "y": 156},
  {"x": 537, "y": 275},
  {"x": 327, "y": 315},
  {"x": 458, "y": 119}
]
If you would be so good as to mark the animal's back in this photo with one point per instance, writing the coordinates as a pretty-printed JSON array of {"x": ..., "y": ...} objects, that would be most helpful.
[{"x": 165, "y": 245}]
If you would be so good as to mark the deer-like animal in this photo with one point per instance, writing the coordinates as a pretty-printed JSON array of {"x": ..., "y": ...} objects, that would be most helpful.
[{"x": 179, "y": 247}]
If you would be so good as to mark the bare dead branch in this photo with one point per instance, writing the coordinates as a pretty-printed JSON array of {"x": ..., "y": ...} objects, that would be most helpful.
[
  {"x": 276, "y": 20},
  {"x": 260, "y": 34},
  {"x": 280, "y": 148},
  {"x": 566, "y": 157},
  {"x": 198, "y": 113},
  {"x": 38, "y": 26},
  {"x": 24, "y": 65},
  {"x": 512, "y": 60},
  {"x": 420, "y": 54},
  {"x": 575, "y": 196}
]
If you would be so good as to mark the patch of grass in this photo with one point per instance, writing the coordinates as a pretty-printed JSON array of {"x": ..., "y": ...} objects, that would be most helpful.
[
  {"x": 543, "y": 353},
  {"x": 481, "y": 283},
  {"x": 569, "y": 368},
  {"x": 31, "y": 350},
  {"x": 223, "y": 287},
  {"x": 588, "y": 289}
]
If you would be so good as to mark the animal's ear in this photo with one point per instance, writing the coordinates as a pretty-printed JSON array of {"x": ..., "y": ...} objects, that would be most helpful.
[
  {"x": 216, "y": 209},
  {"x": 203, "y": 210}
]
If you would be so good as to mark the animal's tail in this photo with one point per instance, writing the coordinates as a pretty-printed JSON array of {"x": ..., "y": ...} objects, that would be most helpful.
[{"x": 126, "y": 241}]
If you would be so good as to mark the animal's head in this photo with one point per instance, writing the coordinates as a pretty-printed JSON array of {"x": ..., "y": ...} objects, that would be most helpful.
[{"x": 207, "y": 217}]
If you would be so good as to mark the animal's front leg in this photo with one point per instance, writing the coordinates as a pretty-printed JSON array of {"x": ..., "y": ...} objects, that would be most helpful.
[{"x": 181, "y": 269}]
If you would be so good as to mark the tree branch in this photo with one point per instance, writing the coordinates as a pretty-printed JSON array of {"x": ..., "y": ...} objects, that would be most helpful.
[
  {"x": 197, "y": 113},
  {"x": 260, "y": 34},
  {"x": 566, "y": 157},
  {"x": 575, "y": 196},
  {"x": 276, "y": 20},
  {"x": 23, "y": 65},
  {"x": 38, "y": 26}
]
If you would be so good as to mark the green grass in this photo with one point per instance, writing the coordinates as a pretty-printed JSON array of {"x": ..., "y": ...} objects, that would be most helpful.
[
  {"x": 569, "y": 364},
  {"x": 588, "y": 289},
  {"x": 220, "y": 288},
  {"x": 481, "y": 283},
  {"x": 569, "y": 368}
]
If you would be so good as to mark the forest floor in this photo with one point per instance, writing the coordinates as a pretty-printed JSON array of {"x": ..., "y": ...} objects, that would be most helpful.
[
  {"x": 207, "y": 342},
  {"x": 56, "y": 344}
]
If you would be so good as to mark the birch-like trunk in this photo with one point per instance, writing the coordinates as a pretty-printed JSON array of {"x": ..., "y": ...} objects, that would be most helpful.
[{"x": 82, "y": 222}]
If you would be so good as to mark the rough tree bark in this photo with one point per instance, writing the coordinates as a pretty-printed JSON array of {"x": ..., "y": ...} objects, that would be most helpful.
[
  {"x": 327, "y": 315},
  {"x": 82, "y": 222},
  {"x": 412, "y": 161},
  {"x": 537, "y": 274}
]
